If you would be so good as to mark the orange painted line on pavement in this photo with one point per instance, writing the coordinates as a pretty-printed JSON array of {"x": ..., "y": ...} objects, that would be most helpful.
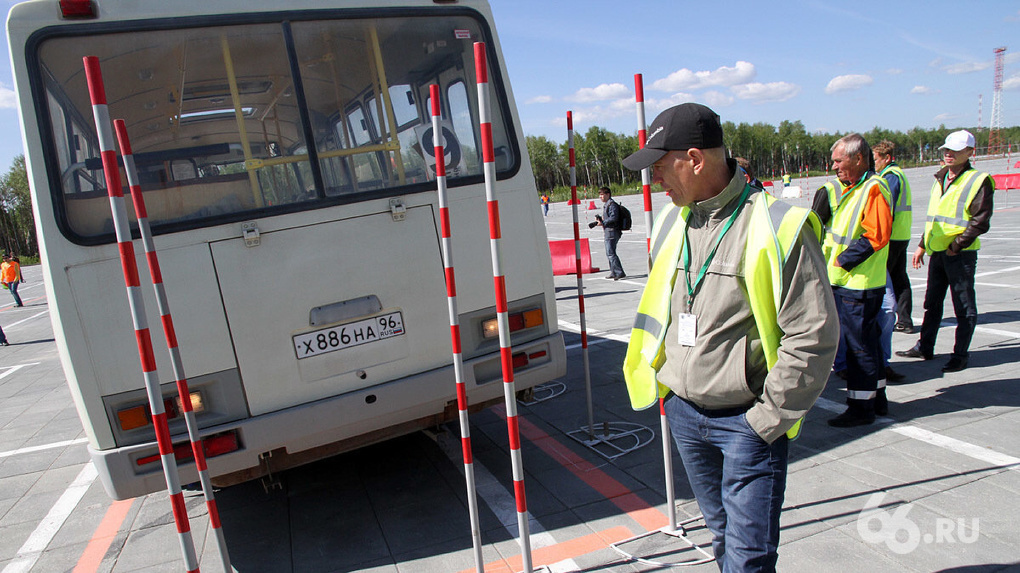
[
  {"x": 638, "y": 509},
  {"x": 103, "y": 537},
  {"x": 561, "y": 551}
]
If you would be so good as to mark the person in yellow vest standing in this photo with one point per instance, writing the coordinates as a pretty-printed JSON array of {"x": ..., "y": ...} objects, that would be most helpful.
[
  {"x": 736, "y": 326},
  {"x": 959, "y": 211},
  {"x": 858, "y": 221},
  {"x": 902, "y": 200}
]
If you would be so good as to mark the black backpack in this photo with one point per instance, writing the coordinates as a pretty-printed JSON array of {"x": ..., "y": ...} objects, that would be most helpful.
[{"x": 625, "y": 219}]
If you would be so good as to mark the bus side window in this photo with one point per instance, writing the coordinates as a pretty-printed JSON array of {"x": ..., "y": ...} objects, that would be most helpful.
[{"x": 463, "y": 126}]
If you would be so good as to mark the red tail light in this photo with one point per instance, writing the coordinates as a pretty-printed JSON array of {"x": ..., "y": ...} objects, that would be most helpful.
[{"x": 77, "y": 9}]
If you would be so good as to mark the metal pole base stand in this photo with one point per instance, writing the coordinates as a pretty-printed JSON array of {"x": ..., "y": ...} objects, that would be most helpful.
[
  {"x": 693, "y": 554},
  {"x": 544, "y": 392},
  {"x": 614, "y": 439}
]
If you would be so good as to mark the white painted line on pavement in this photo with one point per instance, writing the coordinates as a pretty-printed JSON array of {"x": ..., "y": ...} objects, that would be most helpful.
[
  {"x": 979, "y": 453},
  {"x": 12, "y": 369},
  {"x": 13, "y": 324},
  {"x": 50, "y": 525},
  {"x": 576, "y": 328},
  {"x": 42, "y": 447}
]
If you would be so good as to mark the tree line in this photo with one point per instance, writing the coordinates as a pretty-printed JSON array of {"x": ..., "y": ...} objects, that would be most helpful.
[
  {"x": 771, "y": 150},
  {"x": 17, "y": 229}
]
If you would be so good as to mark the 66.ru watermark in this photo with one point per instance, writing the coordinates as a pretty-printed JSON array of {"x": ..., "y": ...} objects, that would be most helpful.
[{"x": 902, "y": 535}]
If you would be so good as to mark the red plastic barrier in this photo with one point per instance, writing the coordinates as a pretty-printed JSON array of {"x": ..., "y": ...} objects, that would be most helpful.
[
  {"x": 1005, "y": 181},
  {"x": 767, "y": 183},
  {"x": 564, "y": 260}
]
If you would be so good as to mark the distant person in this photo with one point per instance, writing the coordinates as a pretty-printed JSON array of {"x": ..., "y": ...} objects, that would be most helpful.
[
  {"x": 610, "y": 221},
  {"x": 749, "y": 174},
  {"x": 959, "y": 211},
  {"x": 742, "y": 351},
  {"x": 786, "y": 179},
  {"x": 899, "y": 190},
  {"x": 545, "y": 204},
  {"x": 3, "y": 338},
  {"x": 10, "y": 275},
  {"x": 855, "y": 211}
]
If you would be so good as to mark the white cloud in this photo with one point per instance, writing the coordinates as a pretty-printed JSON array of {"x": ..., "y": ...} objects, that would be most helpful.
[
  {"x": 599, "y": 93},
  {"x": 936, "y": 63},
  {"x": 685, "y": 79},
  {"x": 967, "y": 67},
  {"x": 921, "y": 90},
  {"x": 894, "y": 71},
  {"x": 716, "y": 99},
  {"x": 8, "y": 99},
  {"x": 539, "y": 99},
  {"x": 1011, "y": 83},
  {"x": 772, "y": 91},
  {"x": 943, "y": 117},
  {"x": 848, "y": 83}
]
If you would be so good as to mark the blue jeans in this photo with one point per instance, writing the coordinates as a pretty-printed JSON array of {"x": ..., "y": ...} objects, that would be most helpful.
[
  {"x": 14, "y": 292},
  {"x": 738, "y": 479},
  {"x": 615, "y": 268}
]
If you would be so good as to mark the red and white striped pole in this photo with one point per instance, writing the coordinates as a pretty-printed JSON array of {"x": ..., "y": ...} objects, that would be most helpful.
[
  {"x": 451, "y": 298},
  {"x": 499, "y": 283},
  {"x": 646, "y": 179},
  {"x": 577, "y": 266},
  {"x": 170, "y": 334},
  {"x": 97, "y": 92},
  {"x": 646, "y": 173}
]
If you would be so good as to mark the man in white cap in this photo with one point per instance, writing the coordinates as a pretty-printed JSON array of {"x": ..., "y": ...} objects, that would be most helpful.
[{"x": 959, "y": 210}]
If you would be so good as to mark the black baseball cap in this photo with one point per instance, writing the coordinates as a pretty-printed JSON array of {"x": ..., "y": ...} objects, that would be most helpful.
[{"x": 678, "y": 128}]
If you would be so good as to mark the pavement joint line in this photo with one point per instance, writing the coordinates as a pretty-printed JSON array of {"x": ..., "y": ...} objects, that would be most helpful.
[
  {"x": 42, "y": 447},
  {"x": 576, "y": 328},
  {"x": 40, "y": 538},
  {"x": 980, "y": 453}
]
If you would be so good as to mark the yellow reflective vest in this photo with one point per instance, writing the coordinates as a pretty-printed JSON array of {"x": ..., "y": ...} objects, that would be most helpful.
[
  {"x": 947, "y": 211},
  {"x": 845, "y": 228},
  {"x": 902, "y": 214},
  {"x": 774, "y": 228}
]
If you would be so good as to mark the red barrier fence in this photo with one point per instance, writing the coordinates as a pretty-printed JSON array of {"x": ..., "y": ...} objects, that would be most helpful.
[
  {"x": 564, "y": 258},
  {"x": 1006, "y": 181}
]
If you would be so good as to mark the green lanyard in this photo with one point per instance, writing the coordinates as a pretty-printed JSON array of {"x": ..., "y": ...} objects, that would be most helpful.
[{"x": 708, "y": 261}]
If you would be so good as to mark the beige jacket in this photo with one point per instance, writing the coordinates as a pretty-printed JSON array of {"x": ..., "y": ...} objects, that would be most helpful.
[{"x": 726, "y": 367}]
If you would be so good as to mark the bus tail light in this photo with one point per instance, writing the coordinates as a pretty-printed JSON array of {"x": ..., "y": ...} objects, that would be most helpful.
[
  {"x": 517, "y": 321},
  {"x": 140, "y": 416},
  {"x": 212, "y": 446},
  {"x": 78, "y": 9}
]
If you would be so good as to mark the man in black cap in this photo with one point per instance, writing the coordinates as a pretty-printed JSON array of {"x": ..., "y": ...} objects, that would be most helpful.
[{"x": 737, "y": 323}]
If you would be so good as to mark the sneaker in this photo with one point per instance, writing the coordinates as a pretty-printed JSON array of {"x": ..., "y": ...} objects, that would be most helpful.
[
  {"x": 904, "y": 328},
  {"x": 5, "y": 343},
  {"x": 914, "y": 352},
  {"x": 955, "y": 364}
]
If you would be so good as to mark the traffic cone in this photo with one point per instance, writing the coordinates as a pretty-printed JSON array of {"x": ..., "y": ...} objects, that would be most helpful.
[{"x": 591, "y": 206}]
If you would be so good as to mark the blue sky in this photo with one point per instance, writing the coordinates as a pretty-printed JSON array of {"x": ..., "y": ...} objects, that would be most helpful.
[{"x": 835, "y": 66}]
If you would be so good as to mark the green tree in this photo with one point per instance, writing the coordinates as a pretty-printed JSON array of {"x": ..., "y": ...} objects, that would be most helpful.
[{"x": 16, "y": 225}]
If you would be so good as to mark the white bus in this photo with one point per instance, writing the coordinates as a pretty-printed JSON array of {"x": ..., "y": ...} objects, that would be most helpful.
[{"x": 279, "y": 148}]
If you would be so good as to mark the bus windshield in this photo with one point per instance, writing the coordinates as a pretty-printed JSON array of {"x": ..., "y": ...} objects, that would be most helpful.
[{"x": 232, "y": 120}]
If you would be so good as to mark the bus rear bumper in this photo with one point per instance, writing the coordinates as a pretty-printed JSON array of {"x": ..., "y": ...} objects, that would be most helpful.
[{"x": 301, "y": 434}]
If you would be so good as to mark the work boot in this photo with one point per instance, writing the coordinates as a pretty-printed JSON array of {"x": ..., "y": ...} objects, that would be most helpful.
[
  {"x": 955, "y": 364},
  {"x": 858, "y": 413},
  {"x": 881, "y": 403}
]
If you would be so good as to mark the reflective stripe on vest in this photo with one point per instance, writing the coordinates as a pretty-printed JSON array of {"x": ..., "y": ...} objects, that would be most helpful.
[
  {"x": 902, "y": 215},
  {"x": 845, "y": 228},
  {"x": 773, "y": 231},
  {"x": 947, "y": 211}
]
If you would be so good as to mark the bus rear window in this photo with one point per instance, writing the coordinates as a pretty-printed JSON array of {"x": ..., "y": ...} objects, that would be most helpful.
[{"x": 228, "y": 122}]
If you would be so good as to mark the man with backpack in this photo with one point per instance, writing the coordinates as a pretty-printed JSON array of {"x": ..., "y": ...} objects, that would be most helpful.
[{"x": 611, "y": 222}]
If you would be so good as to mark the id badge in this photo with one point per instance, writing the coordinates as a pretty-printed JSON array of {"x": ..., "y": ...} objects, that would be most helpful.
[{"x": 686, "y": 329}]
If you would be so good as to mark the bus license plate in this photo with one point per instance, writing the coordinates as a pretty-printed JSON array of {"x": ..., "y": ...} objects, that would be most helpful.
[{"x": 348, "y": 335}]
